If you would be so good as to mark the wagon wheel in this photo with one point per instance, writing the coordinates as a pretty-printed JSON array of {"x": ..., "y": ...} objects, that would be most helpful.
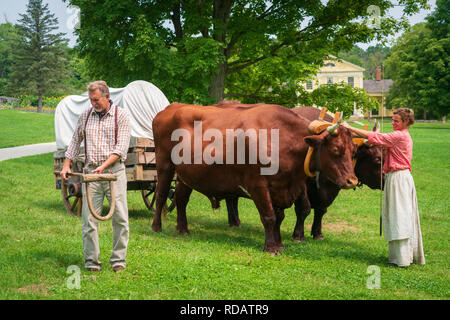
[
  {"x": 148, "y": 195},
  {"x": 72, "y": 198}
]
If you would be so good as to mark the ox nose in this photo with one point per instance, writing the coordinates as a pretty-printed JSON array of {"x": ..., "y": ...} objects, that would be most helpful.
[{"x": 351, "y": 182}]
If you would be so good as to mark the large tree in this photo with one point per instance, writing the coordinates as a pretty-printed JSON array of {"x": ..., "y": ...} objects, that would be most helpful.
[
  {"x": 419, "y": 65},
  {"x": 40, "y": 62},
  {"x": 8, "y": 34},
  {"x": 204, "y": 50}
]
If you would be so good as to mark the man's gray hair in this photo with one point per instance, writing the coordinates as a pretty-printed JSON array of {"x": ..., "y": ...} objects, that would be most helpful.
[{"x": 101, "y": 85}]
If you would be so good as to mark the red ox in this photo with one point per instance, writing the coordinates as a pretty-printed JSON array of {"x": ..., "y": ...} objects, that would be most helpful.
[
  {"x": 367, "y": 169},
  {"x": 242, "y": 175}
]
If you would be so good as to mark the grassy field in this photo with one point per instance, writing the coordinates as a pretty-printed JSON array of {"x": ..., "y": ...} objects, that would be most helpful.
[
  {"x": 20, "y": 128},
  {"x": 39, "y": 241}
]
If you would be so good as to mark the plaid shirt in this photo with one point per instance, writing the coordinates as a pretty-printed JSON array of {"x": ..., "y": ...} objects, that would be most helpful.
[{"x": 100, "y": 136}]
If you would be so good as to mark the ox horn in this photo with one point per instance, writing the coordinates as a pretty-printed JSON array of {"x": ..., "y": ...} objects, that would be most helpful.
[{"x": 333, "y": 129}]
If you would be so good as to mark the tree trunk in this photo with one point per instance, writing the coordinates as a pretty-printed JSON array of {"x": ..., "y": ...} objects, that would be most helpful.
[
  {"x": 40, "y": 104},
  {"x": 221, "y": 13},
  {"x": 217, "y": 88},
  {"x": 424, "y": 114},
  {"x": 444, "y": 119}
]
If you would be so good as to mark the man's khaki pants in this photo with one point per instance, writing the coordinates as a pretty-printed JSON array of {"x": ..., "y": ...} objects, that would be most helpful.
[{"x": 119, "y": 219}]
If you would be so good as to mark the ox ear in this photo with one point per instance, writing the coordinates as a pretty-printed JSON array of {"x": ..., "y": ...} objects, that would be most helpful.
[{"x": 314, "y": 141}]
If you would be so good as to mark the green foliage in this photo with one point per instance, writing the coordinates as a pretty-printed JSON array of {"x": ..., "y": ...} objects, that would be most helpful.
[
  {"x": 26, "y": 100},
  {"x": 419, "y": 65},
  {"x": 8, "y": 34},
  {"x": 369, "y": 59},
  {"x": 40, "y": 63},
  {"x": 78, "y": 75},
  {"x": 343, "y": 98},
  {"x": 439, "y": 19},
  {"x": 204, "y": 51}
]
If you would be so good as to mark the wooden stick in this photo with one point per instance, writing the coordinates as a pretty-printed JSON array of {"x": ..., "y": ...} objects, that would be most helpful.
[{"x": 92, "y": 177}]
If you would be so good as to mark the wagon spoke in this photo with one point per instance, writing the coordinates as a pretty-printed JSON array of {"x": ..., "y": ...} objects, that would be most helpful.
[
  {"x": 150, "y": 202},
  {"x": 74, "y": 204},
  {"x": 79, "y": 207}
]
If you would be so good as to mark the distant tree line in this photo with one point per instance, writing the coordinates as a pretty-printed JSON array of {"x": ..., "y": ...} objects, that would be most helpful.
[
  {"x": 36, "y": 60},
  {"x": 370, "y": 59},
  {"x": 418, "y": 64}
]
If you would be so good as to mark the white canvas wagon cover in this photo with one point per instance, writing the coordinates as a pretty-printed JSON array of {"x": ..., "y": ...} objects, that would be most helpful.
[{"x": 142, "y": 99}]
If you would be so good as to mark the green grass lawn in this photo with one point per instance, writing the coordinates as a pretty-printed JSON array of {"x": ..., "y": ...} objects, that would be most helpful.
[
  {"x": 39, "y": 241},
  {"x": 20, "y": 128}
]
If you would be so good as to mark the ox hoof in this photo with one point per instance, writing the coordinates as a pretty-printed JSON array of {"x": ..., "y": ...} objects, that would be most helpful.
[
  {"x": 318, "y": 237},
  {"x": 274, "y": 251},
  {"x": 299, "y": 240},
  {"x": 156, "y": 228},
  {"x": 183, "y": 232},
  {"x": 235, "y": 224}
]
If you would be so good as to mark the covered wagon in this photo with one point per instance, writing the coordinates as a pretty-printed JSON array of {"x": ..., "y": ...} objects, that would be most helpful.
[{"x": 143, "y": 101}]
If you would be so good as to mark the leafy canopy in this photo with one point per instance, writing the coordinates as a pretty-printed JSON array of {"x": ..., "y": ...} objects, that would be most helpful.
[
  {"x": 419, "y": 65},
  {"x": 201, "y": 51}
]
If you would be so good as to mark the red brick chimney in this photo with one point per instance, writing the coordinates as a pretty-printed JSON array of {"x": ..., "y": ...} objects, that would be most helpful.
[{"x": 378, "y": 74}]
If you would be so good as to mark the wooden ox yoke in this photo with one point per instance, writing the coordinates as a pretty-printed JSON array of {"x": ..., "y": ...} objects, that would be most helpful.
[
  {"x": 94, "y": 177},
  {"x": 316, "y": 127}
]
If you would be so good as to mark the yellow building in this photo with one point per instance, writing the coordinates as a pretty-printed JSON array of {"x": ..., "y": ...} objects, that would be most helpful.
[
  {"x": 337, "y": 71},
  {"x": 378, "y": 88}
]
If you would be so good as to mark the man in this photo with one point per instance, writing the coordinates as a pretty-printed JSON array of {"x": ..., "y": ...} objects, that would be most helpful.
[{"x": 105, "y": 130}]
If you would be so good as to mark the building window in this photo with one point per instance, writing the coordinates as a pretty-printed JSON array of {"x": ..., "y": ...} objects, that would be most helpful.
[
  {"x": 329, "y": 80},
  {"x": 351, "y": 81},
  {"x": 330, "y": 64},
  {"x": 309, "y": 85}
]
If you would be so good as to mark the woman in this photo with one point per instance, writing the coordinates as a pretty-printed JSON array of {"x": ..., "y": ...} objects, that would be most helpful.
[{"x": 400, "y": 214}]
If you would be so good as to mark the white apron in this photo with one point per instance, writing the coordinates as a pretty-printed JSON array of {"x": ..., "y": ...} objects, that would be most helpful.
[{"x": 400, "y": 218}]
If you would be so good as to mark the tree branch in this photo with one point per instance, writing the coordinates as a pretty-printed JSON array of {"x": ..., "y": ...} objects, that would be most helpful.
[
  {"x": 273, "y": 52},
  {"x": 176, "y": 20},
  {"x": 236, "y": 37}
]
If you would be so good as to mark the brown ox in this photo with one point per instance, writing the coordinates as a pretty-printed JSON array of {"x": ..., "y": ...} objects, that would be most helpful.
[
  {"x": 271, "y": 193},
  {"x": 367, "y": 169}
]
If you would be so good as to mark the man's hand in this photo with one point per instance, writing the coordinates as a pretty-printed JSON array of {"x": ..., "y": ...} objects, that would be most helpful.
[
  {"x": 66, "y": 170},
  {"x": 112, "y": 158},
  {"x": 98, "y": 169}
]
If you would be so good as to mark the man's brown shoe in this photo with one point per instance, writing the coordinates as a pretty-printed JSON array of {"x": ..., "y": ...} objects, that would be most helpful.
[
  {"x": 93, "y": 269},
  {"x": 118, "y": 268}
]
